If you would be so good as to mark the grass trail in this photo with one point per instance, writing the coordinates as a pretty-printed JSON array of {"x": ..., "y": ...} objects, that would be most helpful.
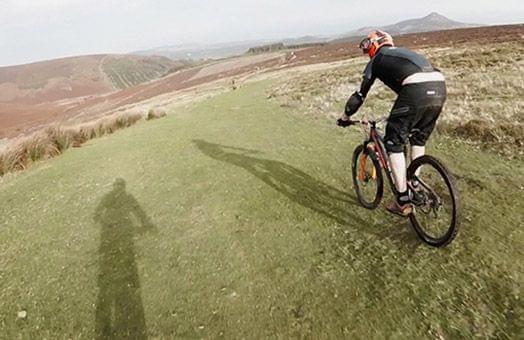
[{"x": 236, "y": 219}]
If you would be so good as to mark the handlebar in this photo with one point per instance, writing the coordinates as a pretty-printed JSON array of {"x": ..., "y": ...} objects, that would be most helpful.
[
  {"x": 369, "y": 122},
  {"x": 356, "y": 122},
  {"x": 364, "y": 122}
]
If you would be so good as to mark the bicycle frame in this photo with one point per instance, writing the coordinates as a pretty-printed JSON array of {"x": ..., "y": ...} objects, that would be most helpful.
[{"x": 376, "y": 141}]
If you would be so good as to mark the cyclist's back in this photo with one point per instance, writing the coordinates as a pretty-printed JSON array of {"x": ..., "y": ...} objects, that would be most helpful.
[{"x": 393, "y": 65}]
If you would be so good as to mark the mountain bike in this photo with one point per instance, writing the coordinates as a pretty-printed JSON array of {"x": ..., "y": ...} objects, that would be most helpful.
[{"x": 434, "y": 195}]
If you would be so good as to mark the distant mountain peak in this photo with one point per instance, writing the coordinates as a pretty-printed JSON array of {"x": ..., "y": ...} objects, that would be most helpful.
[
  {"x": 434, "y": 15},
  {"x": 431, "y": 22}
]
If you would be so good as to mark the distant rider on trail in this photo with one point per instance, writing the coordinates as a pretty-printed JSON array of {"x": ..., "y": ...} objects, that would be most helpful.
[{"x": 421, "y": 93}]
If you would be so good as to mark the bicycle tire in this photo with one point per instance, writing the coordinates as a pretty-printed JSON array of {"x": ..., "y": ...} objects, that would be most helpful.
[
  {"x": 453, "y": 228},
  {"x": 371, "y": 205}
]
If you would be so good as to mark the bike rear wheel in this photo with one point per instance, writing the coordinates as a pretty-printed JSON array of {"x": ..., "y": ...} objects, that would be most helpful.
[
  {"x": 367, "y": 178},
  {"x": 436, "y": 203}
]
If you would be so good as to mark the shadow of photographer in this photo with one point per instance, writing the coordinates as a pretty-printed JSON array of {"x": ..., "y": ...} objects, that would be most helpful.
[{"x": 119, "y": 309}]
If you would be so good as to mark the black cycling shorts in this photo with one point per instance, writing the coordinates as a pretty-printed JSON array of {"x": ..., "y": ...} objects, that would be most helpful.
[{"x": 414, "y": 115}]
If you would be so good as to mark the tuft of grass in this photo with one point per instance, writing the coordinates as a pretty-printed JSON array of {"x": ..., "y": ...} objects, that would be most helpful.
[
  {"x": 152, "y": 114},
  {"x": 39, "y": 147},
  {"x": 61, "y": 138},
  {"x": 12, "y": 159},
  {"x": 55, "y": 140}
]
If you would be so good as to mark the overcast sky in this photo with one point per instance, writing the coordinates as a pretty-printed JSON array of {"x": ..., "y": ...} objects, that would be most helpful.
[{"x": 32, "y": 30}]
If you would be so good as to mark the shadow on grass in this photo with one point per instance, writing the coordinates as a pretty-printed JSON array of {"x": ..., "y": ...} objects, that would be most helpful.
[
  {"x": 119, "y": 308},
  {"x": 306, "y": 191},
  {"x": 291, "y": 182}
]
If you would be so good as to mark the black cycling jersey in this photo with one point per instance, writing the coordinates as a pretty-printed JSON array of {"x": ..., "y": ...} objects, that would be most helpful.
[
  {"x": 392, "y": 65},
  {"x": 421, "y": 93}
]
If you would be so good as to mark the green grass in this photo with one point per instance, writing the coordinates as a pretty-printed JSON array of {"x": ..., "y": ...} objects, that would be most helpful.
[{"x": 236, "y": 219}]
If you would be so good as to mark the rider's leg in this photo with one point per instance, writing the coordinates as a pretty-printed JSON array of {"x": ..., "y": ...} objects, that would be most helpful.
[
  {"x": 395, "y": 148},
  {"x": 397, "y": 131},
  {"x": 398, "y": 166},
  {"x": 417, "y": 152},
  {"x": 402, "y": 205},
  {"x": 423, "y": 128},
  {"x": 398, "y": 128}
]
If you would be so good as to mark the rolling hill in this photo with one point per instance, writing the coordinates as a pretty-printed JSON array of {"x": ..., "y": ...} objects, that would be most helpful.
[{"x": 75, "y": 77}]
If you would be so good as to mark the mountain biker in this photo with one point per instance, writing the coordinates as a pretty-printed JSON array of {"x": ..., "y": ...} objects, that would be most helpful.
[{"x": 421, "y": 93}]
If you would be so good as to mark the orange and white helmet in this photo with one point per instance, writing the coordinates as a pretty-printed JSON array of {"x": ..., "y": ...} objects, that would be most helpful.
[{"x": 374, "y": 41}]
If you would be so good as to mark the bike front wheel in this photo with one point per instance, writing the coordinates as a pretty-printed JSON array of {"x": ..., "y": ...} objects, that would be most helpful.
[
  {"x": 435, "y": 200},
  {"x": 367, "y": 177}
]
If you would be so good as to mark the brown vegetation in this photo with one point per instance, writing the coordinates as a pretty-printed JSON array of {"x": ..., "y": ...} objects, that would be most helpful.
[
  {"x": 56, "y": 139},
  {"x": 152, "y": 114}
]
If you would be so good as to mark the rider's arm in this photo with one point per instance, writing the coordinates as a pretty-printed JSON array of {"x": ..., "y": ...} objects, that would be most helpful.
[{"x": 357, "y": 99}]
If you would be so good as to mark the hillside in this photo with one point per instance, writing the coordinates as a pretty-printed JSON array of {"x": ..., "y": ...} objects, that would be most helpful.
[
  {"x": 53, "y": 80},
  {"x": 128, "y": 71},
  {"x": 78, "y": 77},
  {"x": 235, "y": 218}
]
